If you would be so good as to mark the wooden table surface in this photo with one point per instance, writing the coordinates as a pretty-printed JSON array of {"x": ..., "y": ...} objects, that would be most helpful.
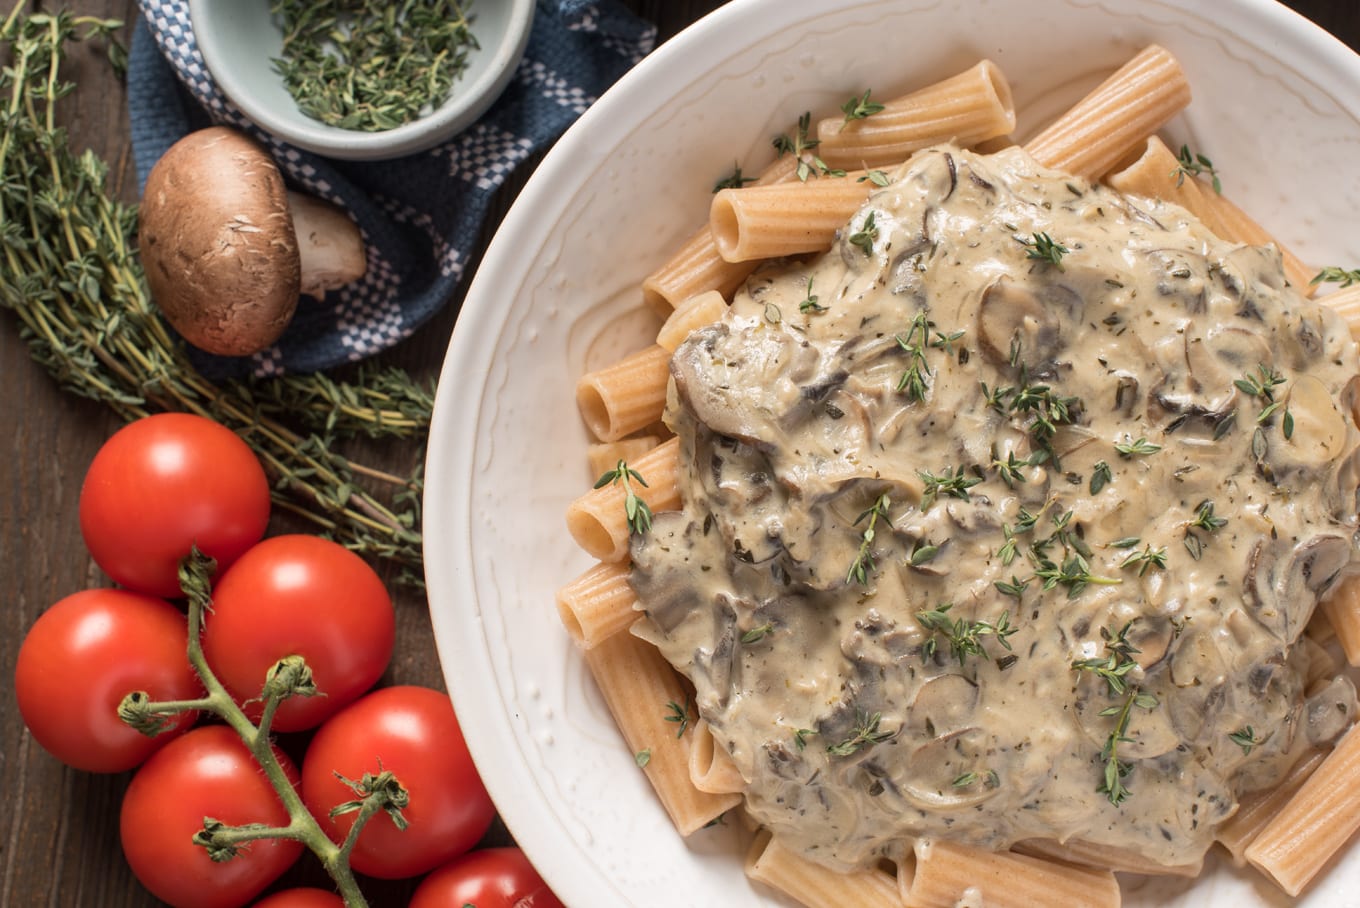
[{"x": 58, "y": 827}]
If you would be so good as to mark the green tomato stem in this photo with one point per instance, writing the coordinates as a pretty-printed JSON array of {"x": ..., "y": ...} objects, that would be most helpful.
[{"x": 303, "y": 827}]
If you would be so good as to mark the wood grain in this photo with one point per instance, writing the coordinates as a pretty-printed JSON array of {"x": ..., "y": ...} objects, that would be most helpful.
[{"x": 59, "y": 828}]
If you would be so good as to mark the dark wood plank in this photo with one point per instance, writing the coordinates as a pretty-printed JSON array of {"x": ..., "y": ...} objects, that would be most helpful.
[{"x": 58, "y": 828}]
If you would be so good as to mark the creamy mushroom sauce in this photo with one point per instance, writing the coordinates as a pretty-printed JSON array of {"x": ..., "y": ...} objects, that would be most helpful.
[{"x": 855, "y": 727}]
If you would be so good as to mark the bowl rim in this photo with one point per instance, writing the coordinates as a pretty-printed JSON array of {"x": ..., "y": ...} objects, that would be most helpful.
[
  {"x": 450, "y": 567},
  {"x": 464, "y": 106}
]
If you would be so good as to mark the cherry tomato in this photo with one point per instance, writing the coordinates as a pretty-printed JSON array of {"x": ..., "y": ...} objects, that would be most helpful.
[
  {"x": 208, "y": 772},
  {"x": 412, "y": 732},
  {"x": 487, "y": 878},
  {"x": 79, "y": 660},
  {"x": 162, "y": 484},
  {"x": 303, "y": 898},
  {"x": 307, "y": 596}
]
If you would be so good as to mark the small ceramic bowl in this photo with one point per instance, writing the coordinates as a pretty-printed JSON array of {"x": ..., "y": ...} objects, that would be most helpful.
[{"x": 240, "y": 40}]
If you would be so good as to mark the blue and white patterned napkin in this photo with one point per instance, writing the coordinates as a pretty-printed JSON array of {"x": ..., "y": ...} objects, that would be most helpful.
[{"x": 420, "y": 215}]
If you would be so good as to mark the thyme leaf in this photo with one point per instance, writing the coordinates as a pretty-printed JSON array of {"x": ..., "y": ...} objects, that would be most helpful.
[
  {"x": 1192, "y": 164},
  {"x": 951, "y": 485},
  {"x": 1333, "y": 274},
  {"x": 758, "y": 633},
  {"x": 810, "y": 301},
  {"x": 1146, "y": 559},
  {"x": 637, "y": 512},
  {"x": 1140, "y": 448},
  {"x": 964, "y": 637},
  {"x": 734, "y": 180},
  {"x": 863, "y": 239},
  {"x": 800, "y": 145},
  {"x": 1100, "y": 477},
  {"x": 1246, "y": 739},
  {"x": 864, "y": 565},
  {"x": 679, "y": 714},
  {"x": 866, "y": 734},
  {"x": 859, "y": 107},
  {"x": 1042, "y": 247}
]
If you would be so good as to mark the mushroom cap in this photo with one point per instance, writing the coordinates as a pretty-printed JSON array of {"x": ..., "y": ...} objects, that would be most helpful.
[{"x": 217, "y": 242}]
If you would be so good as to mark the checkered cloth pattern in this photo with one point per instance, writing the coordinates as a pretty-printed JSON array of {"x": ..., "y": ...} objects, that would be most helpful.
[{"x": 420, "y": 215}]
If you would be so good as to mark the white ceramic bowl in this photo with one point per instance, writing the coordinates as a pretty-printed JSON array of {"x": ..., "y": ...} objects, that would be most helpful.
[
  {"x": 1277, "y": 108},
  {"x": 239, "y": 39}
]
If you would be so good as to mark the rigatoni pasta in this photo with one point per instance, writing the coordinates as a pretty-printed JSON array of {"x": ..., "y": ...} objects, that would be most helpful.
[
  {"x": 1132, "y": 104},
  {"x": 1281, "y": 830},
  {"x": 644, "y": 694}
]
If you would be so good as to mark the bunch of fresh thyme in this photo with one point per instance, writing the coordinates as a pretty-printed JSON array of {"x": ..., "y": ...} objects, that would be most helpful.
[
  {"x": 69, "y": 272},
  {"x": 368, "y": 64}
]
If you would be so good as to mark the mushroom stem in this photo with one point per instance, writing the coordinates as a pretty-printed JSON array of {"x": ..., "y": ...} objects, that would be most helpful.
[{"x": 330, "y": 247}]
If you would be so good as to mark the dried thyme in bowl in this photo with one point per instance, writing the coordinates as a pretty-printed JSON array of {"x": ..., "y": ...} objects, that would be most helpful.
[{"x": 372, "y": 65}]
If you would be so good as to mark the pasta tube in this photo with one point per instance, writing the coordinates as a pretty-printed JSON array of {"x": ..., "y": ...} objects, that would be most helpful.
[
  {"x": 597, "y": 605},
  {"x": 944, "y": 871},
  {"x": 638, "y": 685},
  {"x": 968, "y": 108},
  {"x": 816, "y": 886},
  {"x": 1121, "y": 112},
  {"x": 598, "y": 520}
]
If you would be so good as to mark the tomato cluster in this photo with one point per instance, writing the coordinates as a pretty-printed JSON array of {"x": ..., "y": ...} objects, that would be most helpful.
[{"x": 159, "y": 488}]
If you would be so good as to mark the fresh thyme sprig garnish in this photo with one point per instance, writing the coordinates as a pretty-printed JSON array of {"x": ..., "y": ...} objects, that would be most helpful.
[
  {"x": 800, "y": 737},
  {"x": 1072, "y": 569},
  {"x": 863, "y": 565},
  {"x": 810, "y": 302},
  {"x": 1192, "y": 164},
  {"x": 877, "y": 177},
  {"x": 914, "y": 380},
  {"x": 636, "y": 510},
  {"x": 1246, "y": 739},
  {"x": 1262, "y": 385},
  {"x": 1205, "y": 518},
  {"x": 945, "y": 342},
  {"x": 1140, "y": 448},
  {"x": 866, "y": 734},
  {"x": 1114, "y": 670},
  {"x": 1074, "y": 572},
  {"x": 679, "y": 714},
  {"x": 859, "y": 107},
  {"x": 965, "y": 637},
  {"x": 951, "y": 485},
  {"x": 863, "y": 239},
  {"x": 1009, "y": 470},
  {"x": 356, "y": 66},
  {"x": 733, "y": 180},
  {"x": 1146, "y": 559},
  {"x": 1042, "y": 247},
  {"x": 1037, "y": 401},
  {"x": 1334, "y": 274},
  {"x": 800, "y": 145}
]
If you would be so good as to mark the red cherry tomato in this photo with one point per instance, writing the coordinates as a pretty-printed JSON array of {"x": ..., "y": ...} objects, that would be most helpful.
[
  {"x": 306, "y": 596},
  {"x": 82, "y": 656},
  {"x": 303, "y": 898},
  {"x": 487, "y": 878},
  {"x": 163, "y": 484},
  {"x": 207, "y": 772},
  {"x": 412, "y": 732}
]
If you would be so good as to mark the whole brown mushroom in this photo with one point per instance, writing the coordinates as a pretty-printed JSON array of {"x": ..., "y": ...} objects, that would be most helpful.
[{"x": 227, "y": 249}]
